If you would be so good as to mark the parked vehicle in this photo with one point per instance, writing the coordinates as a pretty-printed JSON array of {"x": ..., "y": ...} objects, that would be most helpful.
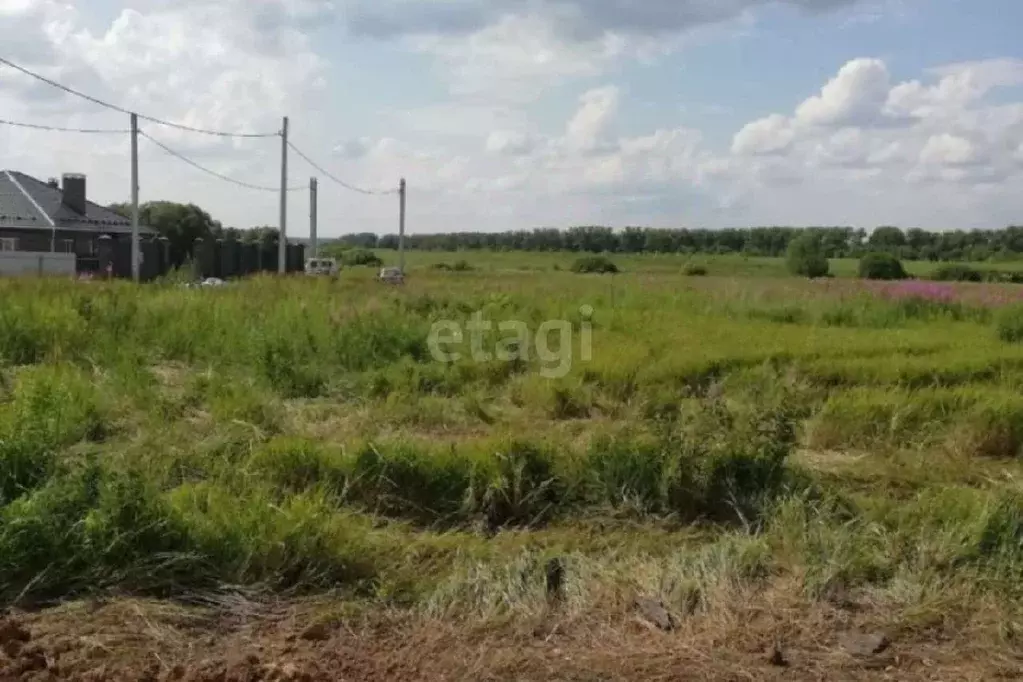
[
  {"x": 392, "y": 276},
  {"x": 322, "y": 267}
]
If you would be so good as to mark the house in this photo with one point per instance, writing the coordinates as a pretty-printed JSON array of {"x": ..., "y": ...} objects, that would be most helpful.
[{"x": 58, "y": 217}]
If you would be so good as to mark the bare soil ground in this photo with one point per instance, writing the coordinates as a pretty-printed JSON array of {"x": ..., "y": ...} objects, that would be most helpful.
[{"x": 770, "y": 637}]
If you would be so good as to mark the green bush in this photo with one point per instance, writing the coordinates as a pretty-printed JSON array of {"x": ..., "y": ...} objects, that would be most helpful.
[
  {"x": 595, "y": 265},
  {"x": 957, "y": 273},
  {"x": 694, "y": 270},
  {"x": 361, "y": 257},
  {"x": 1010, "y": 324},
  {"x": 882, "y": 266},
  {"x": 805, "y": 257}
]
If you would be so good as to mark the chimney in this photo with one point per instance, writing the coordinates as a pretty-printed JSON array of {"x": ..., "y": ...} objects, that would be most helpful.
[{"x": 74, "y": 192}]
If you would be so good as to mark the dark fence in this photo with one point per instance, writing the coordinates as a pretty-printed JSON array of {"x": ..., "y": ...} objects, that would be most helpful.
[
  {"x": 228, "y": 258},
  {"x": 225, "y": 259}
]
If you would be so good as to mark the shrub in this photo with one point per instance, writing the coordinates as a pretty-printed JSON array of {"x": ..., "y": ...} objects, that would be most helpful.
[
  {"x": 694, "y": 270},
  {"x": 459, "y": 266},
  {"x": 359, "y": 257},
  {"x": 957, "y": 273},
  {"x": 1010, "y": 324},
  {"x": 595, "y": 265},
  {"x": 805, "y": 257},
  {"x": 881, "y": 266}
]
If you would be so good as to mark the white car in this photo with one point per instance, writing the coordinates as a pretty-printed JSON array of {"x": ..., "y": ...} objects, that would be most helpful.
[
  {"x": 392, "y": 276},
  {"x": 322, "y": 266}
]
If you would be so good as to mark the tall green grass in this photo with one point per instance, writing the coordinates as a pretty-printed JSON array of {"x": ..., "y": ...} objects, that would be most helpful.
[{"x": 296, "y": 434}]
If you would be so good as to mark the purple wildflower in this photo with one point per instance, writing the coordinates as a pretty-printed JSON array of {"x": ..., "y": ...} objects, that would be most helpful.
[{"x": 935, "y": 292}]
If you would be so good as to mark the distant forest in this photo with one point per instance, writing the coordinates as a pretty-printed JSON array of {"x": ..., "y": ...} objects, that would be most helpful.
[{"x": 838, "y": 242}]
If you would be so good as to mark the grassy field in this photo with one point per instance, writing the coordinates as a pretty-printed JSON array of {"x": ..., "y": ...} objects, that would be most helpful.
[
  {"x": 777, "y": 462},
  {"x": 731, "y": 265}
]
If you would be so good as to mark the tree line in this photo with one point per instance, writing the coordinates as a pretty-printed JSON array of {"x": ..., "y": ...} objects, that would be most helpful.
[
  {"x": 182, "y": 224},
  {"x": 836, "y": 242}
]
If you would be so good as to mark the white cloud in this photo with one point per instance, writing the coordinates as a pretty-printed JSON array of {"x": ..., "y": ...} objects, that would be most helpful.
[
  {"x": 770, "y": 135},
  {"x": 597, "y": 110},
  {"x": 959, "y": 86},
  {"x": 516, "y": 49},
  {"x": 855, "y": 96},
  {"x": 949, "y": 150},
  {"x": 575, "y": 19},
  {"x": 510, "y": 142},
  {"x": 515, "y": 58},
  {"x": 354, "y": 149}
]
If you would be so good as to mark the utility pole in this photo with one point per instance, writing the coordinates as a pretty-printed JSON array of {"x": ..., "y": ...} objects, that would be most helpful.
[
  {"x": 135, "y": 260},
  {"x": 401, "y": 226},
  {"x": 314, "y": 245},
  {"x": 282, "y": 243}
]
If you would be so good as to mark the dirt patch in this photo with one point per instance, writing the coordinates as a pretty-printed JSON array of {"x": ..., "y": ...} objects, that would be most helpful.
[{"x": 246, "y": 642}]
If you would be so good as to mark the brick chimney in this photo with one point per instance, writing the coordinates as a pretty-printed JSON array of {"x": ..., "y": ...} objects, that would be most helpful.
[{"x": 74, "y": 192}]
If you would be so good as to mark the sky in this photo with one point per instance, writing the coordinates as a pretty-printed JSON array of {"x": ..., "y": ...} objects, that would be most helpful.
[{"x": 515, "y": 114}]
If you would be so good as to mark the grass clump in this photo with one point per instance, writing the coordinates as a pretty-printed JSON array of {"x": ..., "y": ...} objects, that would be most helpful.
[
  {"x": 50, "y": 409},
  {"x": 715, "y": 463},
  {"x": 1009, "y": 324},
  {"x": 461, "y": 265},
  {"x": 598, "y": 265}
]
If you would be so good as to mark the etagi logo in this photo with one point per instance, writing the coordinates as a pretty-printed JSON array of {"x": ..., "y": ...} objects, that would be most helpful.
[{"x": 552, "y": 343}]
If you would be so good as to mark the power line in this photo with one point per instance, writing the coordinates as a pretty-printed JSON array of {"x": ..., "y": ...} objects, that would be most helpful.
[
  {"x": 58, "y": 129},
  {"x": 114, "y": 107},
  {"x": 337, "y": 180},
  {"x": 214, "y": 173}
]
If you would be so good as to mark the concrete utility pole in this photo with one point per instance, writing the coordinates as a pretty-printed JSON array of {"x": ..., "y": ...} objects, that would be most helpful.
[
  {"x": 282, "y": 245},
  {"x": 314, "y": 245},
  {"x": 401, "y": 226},
  {"x": 135, "y": 253}
]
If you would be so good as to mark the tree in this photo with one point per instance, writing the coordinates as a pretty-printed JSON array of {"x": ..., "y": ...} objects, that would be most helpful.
[
  {"x": 122, "y": 209},
  {"x": 181, "y": 224},
  {"x": 887, "y": 239},
  {"x": 805, "y": 257},
  {"x": 882, "y": 266},
  {"x": 263, "y": 234},
  {"x": 363, "y": 240}
]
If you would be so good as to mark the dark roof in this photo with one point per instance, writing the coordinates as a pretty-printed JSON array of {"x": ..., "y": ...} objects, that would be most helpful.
[{"x": 28, "y": 203}]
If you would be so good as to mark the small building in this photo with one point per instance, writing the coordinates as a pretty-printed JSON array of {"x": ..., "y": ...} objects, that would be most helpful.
[{"x": 57, "y": 217}]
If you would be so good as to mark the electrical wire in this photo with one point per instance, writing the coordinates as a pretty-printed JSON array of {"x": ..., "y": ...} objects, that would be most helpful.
[
  {"x": 37, "y": 126},
  {"x": 214, "y": 173},
  {"x": 337, "y": 180},
  {"x": 108, "y": 105}
]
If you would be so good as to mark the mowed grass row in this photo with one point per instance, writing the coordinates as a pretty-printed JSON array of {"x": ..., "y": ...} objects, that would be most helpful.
[{"x": 297, "y": 434}]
